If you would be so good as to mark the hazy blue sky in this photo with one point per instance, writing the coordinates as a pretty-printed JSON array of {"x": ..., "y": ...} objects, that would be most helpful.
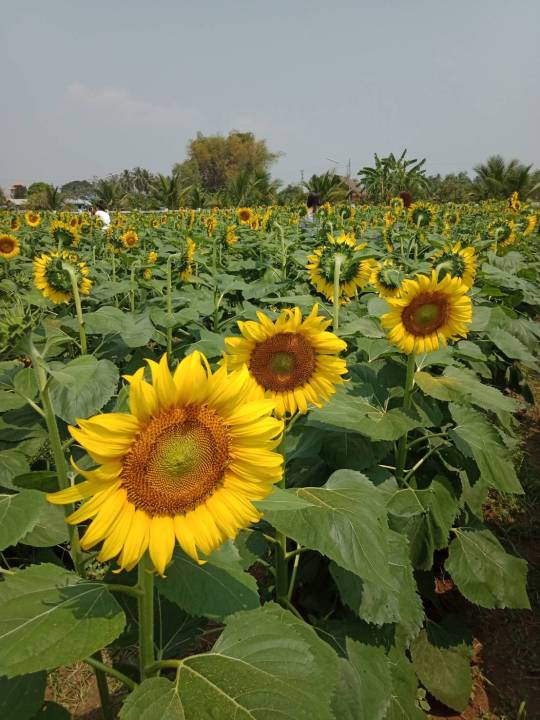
[{"x": 90, "y": 88}]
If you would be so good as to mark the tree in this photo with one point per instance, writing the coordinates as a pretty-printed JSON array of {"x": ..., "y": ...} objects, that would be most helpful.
[
  {"x": 498, "y": 179},
  {"x": 292, "y": 194},
  {"x": 329, "y": 186},
  {"x": 456, "y": 188},
  {"x": 219, "y": 160},
  {"x": 79, "y": 188},
  {"x": 391, "y": 175},
  {"x": 110, "y": 193},
  {"x": 48, "y": 197},
  {"x": 168, "y": 192}
]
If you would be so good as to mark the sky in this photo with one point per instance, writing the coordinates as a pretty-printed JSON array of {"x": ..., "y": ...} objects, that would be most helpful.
[{"x": 92, "y": 88}]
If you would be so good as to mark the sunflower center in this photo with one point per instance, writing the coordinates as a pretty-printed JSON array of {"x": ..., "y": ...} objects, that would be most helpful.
[
  {"x": 6, "y": 245},
  {"x": 425, "y": 314},
  {"x": 283, "y": 362},
  {"x": 177, "y": 461}
]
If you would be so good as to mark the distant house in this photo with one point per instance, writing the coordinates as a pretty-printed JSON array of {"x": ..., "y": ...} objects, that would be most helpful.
[
  {"x": 79, "y": 203},
  {"x": 355, "y": 192},
  {"x": 17, "y": 194}
]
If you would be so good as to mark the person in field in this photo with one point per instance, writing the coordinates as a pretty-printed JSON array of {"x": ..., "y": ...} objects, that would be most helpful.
[
  {"x": 103, "y": 214},
  {"x": 313, "y": 203}
]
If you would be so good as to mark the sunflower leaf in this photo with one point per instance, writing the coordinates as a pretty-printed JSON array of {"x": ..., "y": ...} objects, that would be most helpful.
[
  {"x": 22, "y": 697},
  {"x": 50, "y": 617},
  {"x": 19, "y": 514},
  {"x": 267, "y": 663}
]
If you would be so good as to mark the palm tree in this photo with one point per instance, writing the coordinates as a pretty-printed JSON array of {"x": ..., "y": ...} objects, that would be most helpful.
[
  {"x": 142, "y": 180},
  {"x": 390, "y": 175},
  {"x": 497, "y": 178},
  {"x": 167, "y": 190},
  {"x": 110, "y": 193},
  {"x": 48, "y": 198},
  {"x": 328, "y": 186}
]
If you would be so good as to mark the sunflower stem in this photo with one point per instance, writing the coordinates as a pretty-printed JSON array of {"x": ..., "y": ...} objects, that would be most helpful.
[
  {"x": 78, "y": 307},
  {"x": 407, "y": 398},
  {"x": 103, "y": 687},
  {"x": 146, "y": 616},
  {"x": 57, "y": 451},
  {"x": 109, "y": 670},
  {"x": 338, "y": 259},
  {"x": 168, "y": 272}
]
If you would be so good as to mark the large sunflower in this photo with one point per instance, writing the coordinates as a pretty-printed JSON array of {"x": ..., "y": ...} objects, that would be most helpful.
[
  {"x": 293, "y": 360},
  {"x": 184, "y": 464},
  {"x": 129, "y": 239},
  {"x": 54, "y": 281},
  {"x": 32, "y": 218},
  {"x": 9, "y": 247},
  {"x": 427, "y": 313},
  {"x": 245, "y": 215},
  {"x": 354, "y": 271},
  {"x": 458, "y": 262}
]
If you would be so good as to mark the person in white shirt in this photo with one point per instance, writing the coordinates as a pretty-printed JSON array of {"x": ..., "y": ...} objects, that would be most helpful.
[{"x": 103, "y": 215}]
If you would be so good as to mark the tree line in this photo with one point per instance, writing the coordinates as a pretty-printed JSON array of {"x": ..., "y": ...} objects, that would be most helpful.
[{"x": 234, "y": 170}]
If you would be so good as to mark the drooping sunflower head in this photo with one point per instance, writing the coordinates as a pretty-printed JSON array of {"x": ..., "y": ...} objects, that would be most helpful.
[
  {"x": 427, "y": 313},
  {"x": 211, "y": 224},
  {"x": 422, "y": 214},
  {"x": 458, "y": 262},
  {"x": 231, "y": 238},
  {"x": 386, "y": 278},
  {"x": 514, "y": 202},
  {"x": 184, "y": 465},
  {"x": 389, "y": 219},
  {"x": 245, "y": 215},
  {"x": 129, "y": 239},
  {"x": 293, "y": 360},
  {"x": 340, "y": 252},
  {"x": 9, "y": 247},
  {"x": 64, "y": 235},
  {"x": 32, "y": 218},
  {"x": 532, "y": 221},
  {"x": 17, "y": 318},
  {"x": 451, "y": 218},
  {"x": 15, "y": 224},
  {"x": 525, "y": 223},
  {"x": 54, "y": 281},
  {"x": 502, "y": 232}
]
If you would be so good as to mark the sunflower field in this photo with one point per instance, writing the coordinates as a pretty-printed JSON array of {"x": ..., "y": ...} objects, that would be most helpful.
[{"x": 243, "y": 449}]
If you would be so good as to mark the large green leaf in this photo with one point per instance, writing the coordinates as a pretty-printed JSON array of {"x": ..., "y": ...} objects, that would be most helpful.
[
  {"x": 345, "y": 520},
  {"x": 50, "y": 528},
  {"x": 426, "y": 517},
  {"x": 19, "y": 513},
  {"x": 512, "y": 347},
  {"x": 484, "y": 573},
  {"x": 378, "y": 605},
  {"x": 364, "y": 683},
  {"x": 50, "y": 617},
  {"x": 267, "y": 665},
  {"x": 22, "y": 697},
  {"x": 443, "y": 669},
  {"x": 350, "y": 412},
  {"x": 12, "y": 463},
  {"x": 135, "y": 329},
  {"x": 404, "y": 688},
  {"x": 83, "y": 387},
  {"x": 218, "y": 588},
  {"x": 477, "y": 438},
  {"x": 459, "y": 384}
]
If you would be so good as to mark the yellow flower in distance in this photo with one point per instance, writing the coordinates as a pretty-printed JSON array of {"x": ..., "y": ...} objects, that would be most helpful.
[
  {"x": 427, "y": 313},
  {"x": 245, "y": 215},
  {"x": 129, "y": 239},
  {"x": 185, "y": 464},
  {"x": 32, "y": 218},
  {"x": 294, "y": 361},
  {"x": 9, "y": 247}
]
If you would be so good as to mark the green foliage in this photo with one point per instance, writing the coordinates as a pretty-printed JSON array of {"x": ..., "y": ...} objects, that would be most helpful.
[
  {"x": 21, "y": 697},
  {"x": 391, "y": 175}
]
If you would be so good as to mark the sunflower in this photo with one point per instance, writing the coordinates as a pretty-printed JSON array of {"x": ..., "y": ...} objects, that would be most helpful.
[
  {"x": 389, "y": 219},
  {"x": 54, "y": 281},
  {"x": 427, "y": 313},
  {"x": 458, "y": 262},
  {"x": 129, "y": 239},
  {"x": 255, "y": 224},
  {"x": 211, "y": 224},
  {"x": 293, "y": 360},
  {"x": 397, "y": 205},
  {"x": 184, "y": 263},
  {"x": 422, "y": 214},
  {"x": 9, "y": 247},
  {"x": 514, "y": 202},
  {"x": 185, "y": 464},
  {"x": 386, "y": 279},
  {"x": 15, "y": 224},
  {"x": 152, "y": 257},
  {"x": 532, "y": 220},
  {"x": 245, "y": 215},
  {"x": 354, "y": 272},
  {"x": 64, "y": 234},
  {"x": 32, "y": 218},
  {"x": 451, "y": 218},
  {"x": 231, "y": 238},
  {"x": 502, "y": 231}
]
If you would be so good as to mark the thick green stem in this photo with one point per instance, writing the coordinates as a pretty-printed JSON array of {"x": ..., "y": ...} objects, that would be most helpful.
[
  {"x": 103, "y": 688},
  {"x": 146, "y": 616},
  {"x": 338, "y": 259},
  {"x": 57, "y": 452},
  {"x": 407, "y": 398},
  {"x": 136, "y": 265},
  {"x": 168, "y": 271},
  {"x": 113, "y": 672},
  {"x": 78, "y": 307}
]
